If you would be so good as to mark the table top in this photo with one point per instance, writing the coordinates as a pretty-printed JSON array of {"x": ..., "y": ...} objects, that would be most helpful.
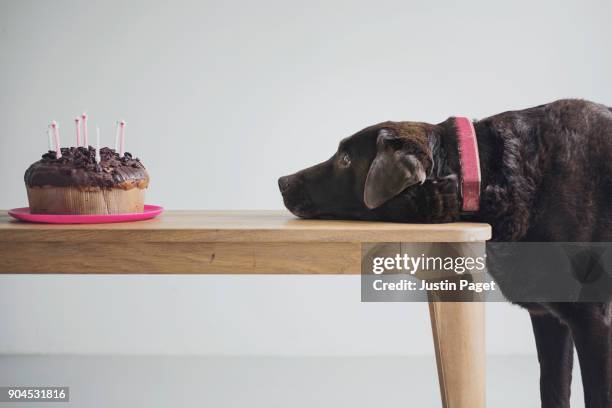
[
  {"x": 211, "y": 242},
  {"x": 241, "y": 226}
]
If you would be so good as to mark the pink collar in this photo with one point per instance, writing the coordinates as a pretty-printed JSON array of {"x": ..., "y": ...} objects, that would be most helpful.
[{"x": 470, "y": 164}]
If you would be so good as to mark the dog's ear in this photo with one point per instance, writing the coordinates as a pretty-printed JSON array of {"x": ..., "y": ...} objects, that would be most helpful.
[{"x": 393, "y": 169}]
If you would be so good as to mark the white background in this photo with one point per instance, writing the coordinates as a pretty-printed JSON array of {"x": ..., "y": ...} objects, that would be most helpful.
[{"x": 221, "y": 98}]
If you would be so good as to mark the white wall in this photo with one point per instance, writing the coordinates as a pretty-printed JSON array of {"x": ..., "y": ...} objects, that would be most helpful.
[{"x": 223, "y": 97}]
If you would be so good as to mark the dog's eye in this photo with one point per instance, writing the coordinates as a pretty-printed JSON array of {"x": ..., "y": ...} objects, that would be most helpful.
[{"x": 345, "y": 160}]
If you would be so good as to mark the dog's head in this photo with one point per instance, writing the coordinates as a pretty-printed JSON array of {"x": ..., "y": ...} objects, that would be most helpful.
[{"x": 374, "y": 174}]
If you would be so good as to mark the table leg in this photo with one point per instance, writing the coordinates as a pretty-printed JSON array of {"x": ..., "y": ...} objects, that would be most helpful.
[{"x": 458, "y": 334}]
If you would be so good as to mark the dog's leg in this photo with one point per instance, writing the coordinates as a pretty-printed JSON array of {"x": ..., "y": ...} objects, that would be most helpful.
[
  {"x": 555, "y": 354},
  {"x": 592, "y": 334}
]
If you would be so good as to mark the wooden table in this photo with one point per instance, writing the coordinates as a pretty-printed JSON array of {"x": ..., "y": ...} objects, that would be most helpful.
[{"x": 256, "y": 242}]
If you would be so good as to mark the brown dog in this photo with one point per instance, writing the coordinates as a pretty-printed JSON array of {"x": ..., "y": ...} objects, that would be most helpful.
[{"x": 546, "y": 176}]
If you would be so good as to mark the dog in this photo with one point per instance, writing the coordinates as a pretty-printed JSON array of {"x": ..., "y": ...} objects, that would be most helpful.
[{"x": 546, "y": 176}]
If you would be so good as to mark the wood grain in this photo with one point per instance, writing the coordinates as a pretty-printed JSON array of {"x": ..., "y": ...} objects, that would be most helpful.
[
  {"x": 180, "y": 258},
  {"x": 459, "y": 341},
  {"x": 210, "y": 242},
  {"x": 241, "y": 226}
]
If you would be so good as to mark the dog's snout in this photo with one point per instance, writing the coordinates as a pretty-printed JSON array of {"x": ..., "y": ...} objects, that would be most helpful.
[
  {"x": 294, "y": 196},
  {"x": 283, "y": 184}
]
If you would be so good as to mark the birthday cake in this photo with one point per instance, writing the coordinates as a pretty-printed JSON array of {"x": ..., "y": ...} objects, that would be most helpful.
[{"x": 86, "y": 180}]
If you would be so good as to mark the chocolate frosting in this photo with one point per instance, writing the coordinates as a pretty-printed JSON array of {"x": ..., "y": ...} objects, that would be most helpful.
[{"x": 78, "y": 168}]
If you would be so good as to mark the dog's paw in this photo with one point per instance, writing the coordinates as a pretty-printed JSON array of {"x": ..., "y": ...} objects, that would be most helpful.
[{"x": 441, "y": 200}]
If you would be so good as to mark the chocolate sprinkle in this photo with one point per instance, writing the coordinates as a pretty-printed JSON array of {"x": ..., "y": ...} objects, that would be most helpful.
[{"x": 78, "y": 168}]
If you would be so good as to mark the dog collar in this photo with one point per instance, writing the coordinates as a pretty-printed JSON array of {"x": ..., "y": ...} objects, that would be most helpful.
[{"x": 469, "y": 163}]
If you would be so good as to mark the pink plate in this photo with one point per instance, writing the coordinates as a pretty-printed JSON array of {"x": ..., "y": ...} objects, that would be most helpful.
[{"x": 150, "y": 211}]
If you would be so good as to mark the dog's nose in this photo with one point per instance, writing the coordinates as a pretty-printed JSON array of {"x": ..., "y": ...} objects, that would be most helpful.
[{"x": 283, "y": 184}]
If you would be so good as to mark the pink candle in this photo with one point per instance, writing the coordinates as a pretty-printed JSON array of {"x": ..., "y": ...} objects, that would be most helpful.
[
  {"x": 56, "y": 138},
  {"x": 117, "y": 137},
  {"x": 77, "y": 121},
  {"x": 50, "y": 137},
  {"x": 122, "y": 138},
  {"x": 98, "y": 158},
  {"x": 85, "y": 138}
]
